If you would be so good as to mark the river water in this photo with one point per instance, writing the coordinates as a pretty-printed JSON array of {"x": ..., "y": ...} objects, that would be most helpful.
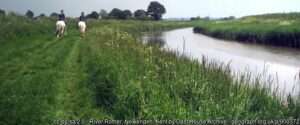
[{"x": 279, "y": 65}]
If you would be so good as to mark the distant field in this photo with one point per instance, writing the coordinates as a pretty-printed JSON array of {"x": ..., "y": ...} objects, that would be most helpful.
[
  {"x": 269, "y": 29},
  {"x": 110, "y": 74}
]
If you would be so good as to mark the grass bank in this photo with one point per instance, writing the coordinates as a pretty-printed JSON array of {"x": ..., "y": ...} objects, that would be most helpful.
[
  {"x": 110, "y": 74},
  {"x": 272, "y": 29}
]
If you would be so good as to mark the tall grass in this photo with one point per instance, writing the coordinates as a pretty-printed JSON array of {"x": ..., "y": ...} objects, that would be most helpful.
[
  {"x": 264, "y": 29},
  {"x": 154, "y": 84},
  {"x": 14, "y": 26},
  {"x": 111, "y": 74}
]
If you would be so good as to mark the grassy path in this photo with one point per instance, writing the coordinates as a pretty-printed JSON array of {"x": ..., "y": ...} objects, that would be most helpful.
[
  {"x": 27, "y": 77},
  {"x": 74, "y": 99},
  {"x": 51, "y": 79}
]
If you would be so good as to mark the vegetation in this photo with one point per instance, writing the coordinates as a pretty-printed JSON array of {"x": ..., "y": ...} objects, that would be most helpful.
[
  {"x": 270, "y": 29},
  {"x": 42, "y": 15},
  {"x": 140, "y": 14},
  {"x": 116, "y": 14},
  {"x": 29, "y": 14},
  {"x": 127, "y": 14},
  {"x": 2, "y": 12},
  {"x": 276, "y": 16},
  {"x": 93, "y": 15},
  {"x": 54, "y": 15},
  {"x": 156, "y": 10},
  {"x": 103, "y": 14},
  {"x": 119, "y": 14},
  {"x": 110, "y": 74}
]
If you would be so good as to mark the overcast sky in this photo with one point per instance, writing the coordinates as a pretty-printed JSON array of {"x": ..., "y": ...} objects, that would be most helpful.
[{"x": 175, "y": 8}]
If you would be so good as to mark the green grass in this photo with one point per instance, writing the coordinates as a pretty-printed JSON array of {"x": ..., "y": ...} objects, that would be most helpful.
[
  {"x": 272, "y": 29},
  {"x": 110, "y": 74}
]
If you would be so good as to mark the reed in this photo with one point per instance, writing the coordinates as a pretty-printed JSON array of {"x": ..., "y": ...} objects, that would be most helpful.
[{"x": 273, "y": 29}]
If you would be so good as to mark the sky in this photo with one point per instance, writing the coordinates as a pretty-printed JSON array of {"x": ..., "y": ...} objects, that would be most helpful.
[{"x": 175, "y": 8}]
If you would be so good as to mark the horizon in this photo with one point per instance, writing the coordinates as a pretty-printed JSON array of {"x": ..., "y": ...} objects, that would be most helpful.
[{"x": 175, "y": 9}]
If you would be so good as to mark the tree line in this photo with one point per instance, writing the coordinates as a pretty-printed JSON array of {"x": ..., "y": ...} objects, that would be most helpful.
[{"x": 155, "y": 11}]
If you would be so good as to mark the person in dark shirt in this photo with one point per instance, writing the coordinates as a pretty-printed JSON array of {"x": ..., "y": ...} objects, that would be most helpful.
[
  {"x": 82, "y": 24},
  {"x": 82, "y": 17},
  {"x": 61, "y": 16},
  {"x": 60, "y": 24}
]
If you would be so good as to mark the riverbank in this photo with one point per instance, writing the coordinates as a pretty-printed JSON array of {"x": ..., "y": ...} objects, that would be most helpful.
[
  {"x": 110, "y": 74},
  {"x": 266, "y": 61},
  {"x": 276, "y": 30}
]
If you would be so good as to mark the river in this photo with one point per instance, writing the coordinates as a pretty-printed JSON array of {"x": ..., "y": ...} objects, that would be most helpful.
[{"x": 281, "y": 65}]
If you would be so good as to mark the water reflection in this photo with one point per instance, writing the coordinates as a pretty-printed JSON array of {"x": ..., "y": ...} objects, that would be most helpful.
[
  {"x": 282, "y": 65},
  {"x": 154, "y": 38}
]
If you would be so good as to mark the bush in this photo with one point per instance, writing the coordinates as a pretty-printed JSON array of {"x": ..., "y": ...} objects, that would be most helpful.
[
  {"x": 54, "y": 15},
  {"x": 103, "y": 14},
  {"x": 117, "y": 14},
  {"x": 2, "y": 12},
  {"x": 127, "y": 14},
  {"x": 140, "y": 14},
  {"x": 29, "y": 14},
  {"x": 93, "y": 15}
]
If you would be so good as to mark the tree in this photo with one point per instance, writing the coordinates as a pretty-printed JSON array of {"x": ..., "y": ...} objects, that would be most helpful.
[
  {"x": 196, "y": 18},
  {"x": 2, "y": 12},
  {"x": 29, "y": 14},
  {"x": 231, "y": 17},
  {"x": 127, "y": 14},
  {"x": 140, "y": 14},
  {"x": 119, "y": 14},
  {"x": 54, "y": 15},
  {"x": 93, "y": 15},
  {"x": 156, "y": 10},
  {"x": 206, "y": 18},
  {"x": 42, "y": 15},
  {"x": 116, "y": 13},
  {"x": 103, "y": 14}
]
